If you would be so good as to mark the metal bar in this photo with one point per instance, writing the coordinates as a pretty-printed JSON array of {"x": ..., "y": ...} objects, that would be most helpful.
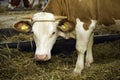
[{"x": 68, "y": 46}]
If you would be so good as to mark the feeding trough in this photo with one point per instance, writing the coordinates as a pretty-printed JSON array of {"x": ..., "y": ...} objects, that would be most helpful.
[{"x": 61, "y": 45}]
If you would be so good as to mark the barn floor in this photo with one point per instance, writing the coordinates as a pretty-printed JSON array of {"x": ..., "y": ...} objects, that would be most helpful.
[{"x": 17, "y": 65}]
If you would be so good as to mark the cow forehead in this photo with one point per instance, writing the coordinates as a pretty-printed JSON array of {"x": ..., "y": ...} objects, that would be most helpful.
[
  {"x": 43, "y": 28},
  {"x": 40, "y": 27},
  {"x": 43, "y": 16}
]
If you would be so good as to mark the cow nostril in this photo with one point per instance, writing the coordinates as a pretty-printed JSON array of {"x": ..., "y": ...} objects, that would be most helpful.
[{"x": 41, "y": 57}]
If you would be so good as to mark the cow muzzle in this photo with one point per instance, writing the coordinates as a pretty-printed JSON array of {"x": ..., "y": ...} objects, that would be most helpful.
[{"x": 43, "y": 57}]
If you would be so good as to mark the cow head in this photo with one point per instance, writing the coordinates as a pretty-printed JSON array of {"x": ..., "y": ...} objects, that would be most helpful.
[{"x": 45, "y": 28}]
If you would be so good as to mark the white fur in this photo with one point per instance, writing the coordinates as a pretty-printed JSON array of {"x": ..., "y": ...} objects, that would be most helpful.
[
  {"x": 43, "y": 33},
  {"x": 10, "y": 6},
  {"x": 83, "y": 43}
]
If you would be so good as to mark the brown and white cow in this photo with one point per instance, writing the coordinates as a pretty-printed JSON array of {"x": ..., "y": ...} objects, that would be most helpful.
[
  {"x": 27, "y": 3},
  {"x": 16, "y": 3},
  {"x": 82, "y": 16}
]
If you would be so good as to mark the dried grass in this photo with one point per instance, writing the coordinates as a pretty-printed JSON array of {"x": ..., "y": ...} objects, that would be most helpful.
[
  {"x": 16, "y": 38},
  {"x": 16, "y": 65}
]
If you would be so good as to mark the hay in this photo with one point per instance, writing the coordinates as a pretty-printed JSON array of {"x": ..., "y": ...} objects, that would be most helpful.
[
  {"x": 2, "y": 9},
  {"x": 16, "y": 38},
  {"x": 16, "y": 65},
  {"x": 101, "y": 29}
]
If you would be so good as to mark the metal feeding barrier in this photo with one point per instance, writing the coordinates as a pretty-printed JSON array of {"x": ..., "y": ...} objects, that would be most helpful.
[{"x": 61, "y": 45}]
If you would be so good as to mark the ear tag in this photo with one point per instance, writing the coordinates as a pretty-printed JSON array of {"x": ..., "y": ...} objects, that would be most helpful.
[
  {"x": 63, "y": 27},
  {"x": 24, "y": 27}
]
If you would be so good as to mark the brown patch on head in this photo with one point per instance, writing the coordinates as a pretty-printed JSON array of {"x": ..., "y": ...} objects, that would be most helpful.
[{"x": 86, "y": 25}]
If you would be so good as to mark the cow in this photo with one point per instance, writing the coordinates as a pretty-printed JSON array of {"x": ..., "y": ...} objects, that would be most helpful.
[
  {"x": 15, "y": 3},
  {"x": 27, "y": 3},
  {"x": 79, "y": 20}
]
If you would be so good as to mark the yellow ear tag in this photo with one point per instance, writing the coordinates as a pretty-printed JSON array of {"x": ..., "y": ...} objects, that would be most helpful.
[
  {"x": 24, "y": 27},
  {"x": 63, "y": 27}
]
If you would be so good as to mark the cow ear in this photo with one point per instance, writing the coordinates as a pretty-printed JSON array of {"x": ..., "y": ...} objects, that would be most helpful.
[
  {"x": 66, "y": 26},
  {"x": 23, "y": 26}
]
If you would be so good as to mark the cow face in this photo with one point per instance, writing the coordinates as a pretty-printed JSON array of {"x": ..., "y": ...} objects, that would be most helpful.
[
  {"x": 46, "y": 28},
  {"x": 45, "y": 34}
]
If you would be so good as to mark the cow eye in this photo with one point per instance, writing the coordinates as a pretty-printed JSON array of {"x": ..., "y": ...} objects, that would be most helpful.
[{"x": 52, "y": 34}]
